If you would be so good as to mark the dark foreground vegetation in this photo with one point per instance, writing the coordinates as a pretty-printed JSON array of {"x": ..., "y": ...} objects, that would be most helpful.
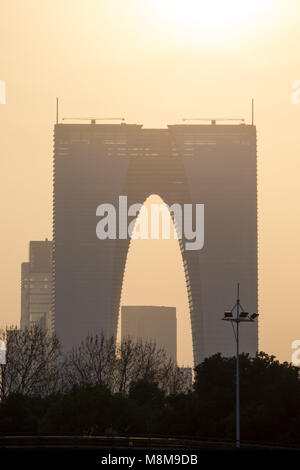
[{"x": 139, "y": 390}]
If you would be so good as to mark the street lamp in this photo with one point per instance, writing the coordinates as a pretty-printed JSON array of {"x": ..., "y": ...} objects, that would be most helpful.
[{"x": 241, "y": 316}]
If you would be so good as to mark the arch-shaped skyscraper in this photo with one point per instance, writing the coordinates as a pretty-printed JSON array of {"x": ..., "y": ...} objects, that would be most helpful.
[{"x": 211, "y": 164}]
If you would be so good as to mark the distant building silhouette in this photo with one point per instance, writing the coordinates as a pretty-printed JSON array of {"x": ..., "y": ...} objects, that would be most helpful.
[
  {"x": 213, "y": 164},
  {"x": 151, "y": 323},
  {"x": 36, "y": 286}
]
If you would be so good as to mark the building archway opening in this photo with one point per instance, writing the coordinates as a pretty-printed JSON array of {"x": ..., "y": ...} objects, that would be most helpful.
[{"x": 154, "y": 276}]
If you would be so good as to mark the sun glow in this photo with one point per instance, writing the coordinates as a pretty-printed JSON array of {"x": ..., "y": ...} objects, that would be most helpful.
[{"x": 213, "y": 21}]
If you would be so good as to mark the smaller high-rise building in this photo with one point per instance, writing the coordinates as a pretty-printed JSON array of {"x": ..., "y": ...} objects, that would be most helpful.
[
  {"x": 187, "y": 376},
  {"x": 36, "y": 286},
  {"x": 151, "y": 323}
]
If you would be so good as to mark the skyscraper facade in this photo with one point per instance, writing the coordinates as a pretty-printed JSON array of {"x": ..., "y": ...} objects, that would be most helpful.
[
  {"x": 36, "y": 286},
  {"x": 208, "y": 164}
]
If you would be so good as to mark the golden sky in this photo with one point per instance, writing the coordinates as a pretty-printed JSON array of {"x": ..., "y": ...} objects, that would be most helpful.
[{"x": 155, "y": 62}]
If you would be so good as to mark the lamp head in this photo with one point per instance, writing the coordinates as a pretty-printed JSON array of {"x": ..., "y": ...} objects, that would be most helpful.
[{"x": 228, "y": 314}]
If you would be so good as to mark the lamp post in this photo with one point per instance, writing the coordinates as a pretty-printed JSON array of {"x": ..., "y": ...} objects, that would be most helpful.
[{"x": 241, "y": 316}]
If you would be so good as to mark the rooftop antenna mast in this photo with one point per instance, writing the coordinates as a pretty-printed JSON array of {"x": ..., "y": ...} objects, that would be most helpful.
[{"x": 56, "y": 110}]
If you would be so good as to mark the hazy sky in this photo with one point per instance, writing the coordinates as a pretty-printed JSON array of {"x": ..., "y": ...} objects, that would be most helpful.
[{"x": 154, "y": 62}]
